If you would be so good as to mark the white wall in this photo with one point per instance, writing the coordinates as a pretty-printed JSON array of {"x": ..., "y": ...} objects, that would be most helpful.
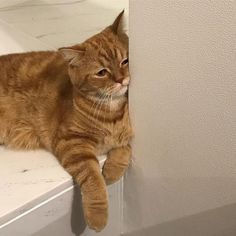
[{"x": 183, "y": 102}]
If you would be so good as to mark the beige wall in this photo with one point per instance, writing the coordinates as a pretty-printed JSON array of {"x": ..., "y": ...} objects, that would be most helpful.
[{"x": 183, "y": 102}]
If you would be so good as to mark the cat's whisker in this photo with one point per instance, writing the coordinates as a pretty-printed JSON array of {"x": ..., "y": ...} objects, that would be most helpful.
[
  {"x": 107, "y": 107},
  {"x": 110, "y": 104},
  {"x": 132, "y": 162},
  {"x": 105, "y": 99},
  {"x": 101, "y": 104},
  {"x": 96, "y": 111},
  {"x": 102, "y": 100},
  {"x": 94, "y": 103},
  {"x": 110, "y": 90},
  {"x": 98, "y": 101}
]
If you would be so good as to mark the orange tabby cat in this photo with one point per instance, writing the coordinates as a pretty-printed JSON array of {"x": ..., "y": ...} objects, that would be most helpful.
[{"x": 72, "y": 102}]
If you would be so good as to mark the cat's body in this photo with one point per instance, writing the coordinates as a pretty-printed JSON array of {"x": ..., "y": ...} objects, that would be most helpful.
[
  {"x": 73, "y": 103},
  {"x": 34, "y": 88},
  {"x": 36, "y": 105}
]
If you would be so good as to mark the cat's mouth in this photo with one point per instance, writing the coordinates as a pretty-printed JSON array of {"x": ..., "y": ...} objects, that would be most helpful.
[
  {"x": 120, "y": 90},
  {"x": 116, "y": 91},
  {"x": 123, "y": 89}
]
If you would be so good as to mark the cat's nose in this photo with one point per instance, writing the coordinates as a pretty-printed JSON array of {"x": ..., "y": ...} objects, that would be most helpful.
[
  {"x": 120, "y": 80},
  {"x": 125, "y": 81}
]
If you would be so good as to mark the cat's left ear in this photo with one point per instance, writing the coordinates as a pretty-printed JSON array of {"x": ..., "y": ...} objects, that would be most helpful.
[
  {"x": 70, "y": 53},
  {"x": 117, "y": 25}
]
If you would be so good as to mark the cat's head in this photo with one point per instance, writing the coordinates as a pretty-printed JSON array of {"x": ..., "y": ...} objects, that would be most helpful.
[{"x": 99, "y": 67}]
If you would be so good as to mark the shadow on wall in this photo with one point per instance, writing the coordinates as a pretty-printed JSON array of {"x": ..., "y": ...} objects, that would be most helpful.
[
  {"x": 71, "y": 224},
  {"x": 78, "y": 223},
  {"x": 217, "y": 222}
]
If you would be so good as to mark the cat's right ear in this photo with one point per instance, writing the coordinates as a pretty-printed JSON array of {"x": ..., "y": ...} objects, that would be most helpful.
[
  {"x": 70, "y": 53},
  {"x": 117, "y": 25}
]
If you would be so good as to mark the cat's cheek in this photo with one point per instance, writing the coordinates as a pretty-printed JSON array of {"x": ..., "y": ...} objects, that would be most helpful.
[
  {"x": 75, "y": 78},
  {"x": 122, "y": 91}
]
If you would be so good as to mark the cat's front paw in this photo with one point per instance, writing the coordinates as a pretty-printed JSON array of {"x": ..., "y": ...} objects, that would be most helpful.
[
  {"x": 116, "y": 164},
  {"x": 96, "y": 219},
  {"x": 112, "y": 173},
  {"x": 96, "y": 212}
]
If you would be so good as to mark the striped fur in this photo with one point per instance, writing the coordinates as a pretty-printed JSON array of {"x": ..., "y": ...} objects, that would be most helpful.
[{"x": 64, "y": 101}]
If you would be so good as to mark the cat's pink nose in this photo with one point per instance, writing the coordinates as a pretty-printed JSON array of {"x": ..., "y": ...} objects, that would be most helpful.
[
  {"x": 125, "y": 81},
  {"x": 120, "y": 80}
]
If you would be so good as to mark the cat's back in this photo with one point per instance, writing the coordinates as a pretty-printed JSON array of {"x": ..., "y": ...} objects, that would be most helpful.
[
  {"x": 16, "y": 59},
  {"x": 24, "y": 68},
  {"x": 30, "y": 85}
]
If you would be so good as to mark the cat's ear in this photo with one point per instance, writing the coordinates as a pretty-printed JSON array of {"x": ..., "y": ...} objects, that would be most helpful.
[
  {"x": 117, "y": 25},
  {"x": 70, "y": 53}
]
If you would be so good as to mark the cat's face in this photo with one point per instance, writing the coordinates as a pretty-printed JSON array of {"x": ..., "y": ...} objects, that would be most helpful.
[{"x": 99, "y": 66}]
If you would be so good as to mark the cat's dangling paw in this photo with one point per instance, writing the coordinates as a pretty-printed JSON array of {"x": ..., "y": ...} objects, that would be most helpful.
[
  {"x": 96, "y": 220},
  {"x": 112, "y": 174},
  {"x": 96, "y": 213},
  {"x": 116, "y": 164}
]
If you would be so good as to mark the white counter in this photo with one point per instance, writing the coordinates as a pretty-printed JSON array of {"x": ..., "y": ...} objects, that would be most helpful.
[{"x": 28, "y": 178}]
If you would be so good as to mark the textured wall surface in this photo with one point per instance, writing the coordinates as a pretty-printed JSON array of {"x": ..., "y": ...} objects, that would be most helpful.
[{"x": 183, "y": 102}]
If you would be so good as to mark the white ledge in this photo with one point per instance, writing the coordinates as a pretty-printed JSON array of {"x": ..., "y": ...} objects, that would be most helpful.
[{"x": 27, "y": 178}]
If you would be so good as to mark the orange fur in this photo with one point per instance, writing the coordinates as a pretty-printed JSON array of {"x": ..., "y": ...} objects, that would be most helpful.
[{"x": 72, "y": 103}]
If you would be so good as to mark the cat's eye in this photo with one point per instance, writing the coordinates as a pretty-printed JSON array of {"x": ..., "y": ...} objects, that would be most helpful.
[
  {"x": 102, "y": 72},
  {"x": 124, "y": 62}
]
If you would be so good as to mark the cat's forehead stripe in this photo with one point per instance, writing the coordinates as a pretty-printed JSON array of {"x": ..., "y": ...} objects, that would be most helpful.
[
  {"x": 118, "y": 53},
  {"x": 107, "y": 47},
  {"x": 104, "y": 54},
  {"x": 102, "y": 61}
]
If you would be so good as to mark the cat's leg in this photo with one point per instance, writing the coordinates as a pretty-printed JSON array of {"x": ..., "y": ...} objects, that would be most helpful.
[
  {"x": 79, "y": 160},
  {"x": 117, "y": 162}
]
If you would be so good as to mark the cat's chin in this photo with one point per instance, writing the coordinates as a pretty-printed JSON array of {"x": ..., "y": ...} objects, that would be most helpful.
[
  {"x": 118, "y": 94},
  {"x": 121, "y": 92}
]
